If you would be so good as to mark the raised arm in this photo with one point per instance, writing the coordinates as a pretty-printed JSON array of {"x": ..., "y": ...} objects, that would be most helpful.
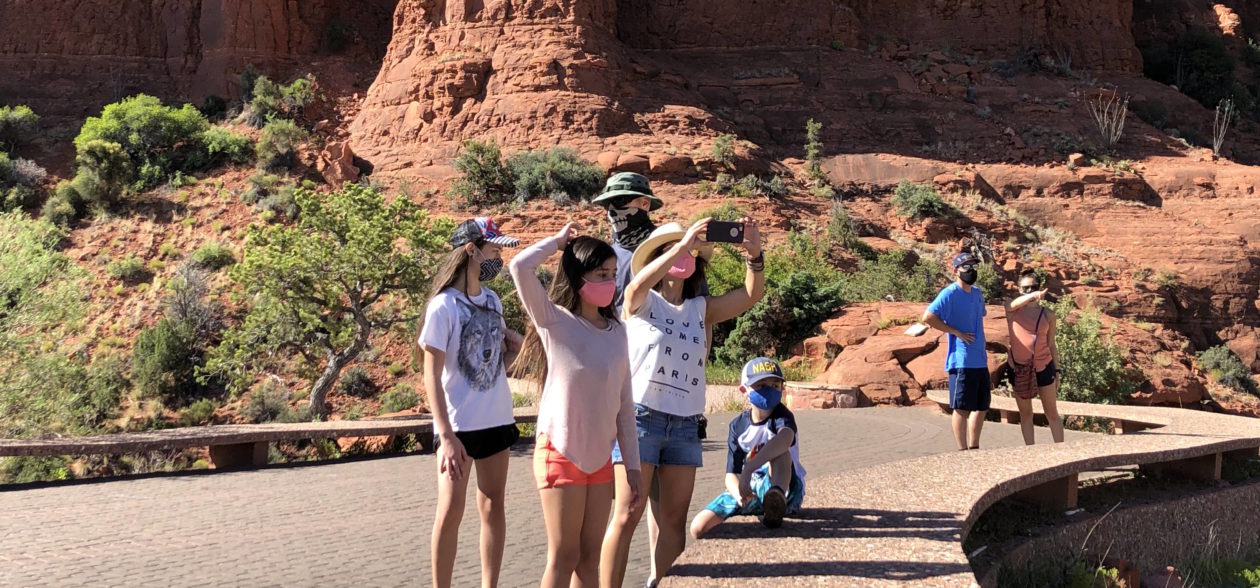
[
  {"x": 638, "y": 288},
  {"x": 738, "y": 301},
  {"x": 1026, "y": 299},
  {"x": 524, "y": 270}
]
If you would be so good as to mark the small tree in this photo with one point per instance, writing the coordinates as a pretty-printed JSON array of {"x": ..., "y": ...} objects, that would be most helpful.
[
  {"x": 17, "y": 125},
  {"x": 1093, "y": 367},
  {"x": 723, "y": 151},
  {"x": 813, "y": 151},
  {"x": 350, "y": 269},
  {"x": 1109, "y": 112},
  {"x": 1220, "y": 124}
]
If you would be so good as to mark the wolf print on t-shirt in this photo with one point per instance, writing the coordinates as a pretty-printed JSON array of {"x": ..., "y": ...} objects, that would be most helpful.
[{"x": 480, "y": 345}]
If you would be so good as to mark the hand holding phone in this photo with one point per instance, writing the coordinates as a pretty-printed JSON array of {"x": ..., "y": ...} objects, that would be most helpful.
[{"x": 724, "y": 232}]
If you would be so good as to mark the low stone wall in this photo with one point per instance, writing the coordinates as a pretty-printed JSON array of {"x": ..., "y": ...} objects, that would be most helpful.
[{"x": 1216, "y": 521}]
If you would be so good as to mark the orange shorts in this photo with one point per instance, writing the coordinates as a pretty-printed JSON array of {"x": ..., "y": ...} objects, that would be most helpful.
[{"x": 552, "y": 469}]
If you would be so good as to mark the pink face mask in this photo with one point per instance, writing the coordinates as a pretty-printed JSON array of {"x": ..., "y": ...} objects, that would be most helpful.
[
  {"x": 598, "y": 293},
  {"x": 683, "y": 267}
]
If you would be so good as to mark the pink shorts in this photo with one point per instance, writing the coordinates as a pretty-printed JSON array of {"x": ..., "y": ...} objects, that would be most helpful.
[{"x": 552, "y": 469}]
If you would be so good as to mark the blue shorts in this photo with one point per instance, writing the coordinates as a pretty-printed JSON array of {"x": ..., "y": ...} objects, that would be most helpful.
[
  {"x": 726, "y": 507},
  {"x": 969, "y": 389},
  {"x": 666, "y": 439}
]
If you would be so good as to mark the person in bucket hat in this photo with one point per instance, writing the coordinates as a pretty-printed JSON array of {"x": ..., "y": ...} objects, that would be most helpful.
[
  {"x": 764, "y": 475},
  {"x": 627, "y": 198}
]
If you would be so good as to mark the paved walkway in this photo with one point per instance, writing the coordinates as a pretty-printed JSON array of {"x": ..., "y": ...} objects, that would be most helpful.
[{"x": 361, "y": 523}]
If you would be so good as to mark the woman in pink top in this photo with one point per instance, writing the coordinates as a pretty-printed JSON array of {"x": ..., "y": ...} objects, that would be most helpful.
[
  {"x": 1032, "y": 329},
  {"x": 577, "y": 341}
]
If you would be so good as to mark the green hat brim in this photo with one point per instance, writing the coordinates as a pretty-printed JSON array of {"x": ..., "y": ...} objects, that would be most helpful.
[{"x": 606, "y": 196}]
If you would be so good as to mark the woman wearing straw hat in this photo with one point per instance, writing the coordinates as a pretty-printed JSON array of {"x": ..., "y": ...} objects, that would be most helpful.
[{"x": 669, "y": 321}]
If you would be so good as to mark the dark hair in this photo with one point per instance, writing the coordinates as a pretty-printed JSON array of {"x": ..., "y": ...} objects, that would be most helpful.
[
  {"x": 449, "y": 272},
  {"x": 691, "y": 286},
  {"x": 581, "y": 255},
  {"x": 1030, "y": 273}
]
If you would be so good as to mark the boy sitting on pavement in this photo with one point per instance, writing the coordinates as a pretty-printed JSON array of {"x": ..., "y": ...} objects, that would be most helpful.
[{"x": 764, "y": 476}]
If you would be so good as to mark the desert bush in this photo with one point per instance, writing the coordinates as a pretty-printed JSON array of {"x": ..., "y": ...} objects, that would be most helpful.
[
  {"x": 1109, "y": 112},
  {"x": 842, "y": 232},
  {"x": 157, "y": 139},
  {"x": 280, "y": 204},
  {"x": 919, "y": 201},
  {"x": 891, "y": 274},
  {"x": 813, "y": 151},
  {"x": 260, "y": 184},
  {"x": 198, "y": 413},
  {"x": 213, "y": 256},
  {"x": 782, "y": 319},
  {"x": 59, "y": 211},
  {"x": 723, "y": 151},
  {"x": 269, "y": 101},
  {"x": 1225, "y": 367},
  {"x": 1093, "y": 368},
  {"x": 269, "y": 402},
  {"x": 129, "y": 270},
  {"x": 356, "y": 382},
  {"x": 214, "y": 108},
  {"x": 18, "y": 125},
  {"x": 558, "y": 170},
  {"x": 279, "y": 143},
  {"x": 399, "y": 398},
  {"x": 990, "y": 282},
  {"x": 484, "y": 179},
  {"x": 25, "y": 470},
  {"x": 19, "y": 182},
  {"x": 223, "y": 145},
  {"x": 164, "y": 361},
  {"x": 98, "y": 400},
  {"x": 105, "y": 173}
]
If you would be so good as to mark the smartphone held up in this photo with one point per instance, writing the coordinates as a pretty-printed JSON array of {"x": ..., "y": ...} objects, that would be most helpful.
[{"x": 724, "y": 232}]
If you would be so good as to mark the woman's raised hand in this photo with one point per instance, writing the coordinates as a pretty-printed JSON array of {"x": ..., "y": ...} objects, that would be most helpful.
[
  {"x": 752, "y": 237},
  {"x": 689, "y": 241},
  {"x": 565, "y": 235}
]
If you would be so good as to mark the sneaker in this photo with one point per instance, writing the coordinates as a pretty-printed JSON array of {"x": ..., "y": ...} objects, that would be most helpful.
[{"x": 775, "y": 506}]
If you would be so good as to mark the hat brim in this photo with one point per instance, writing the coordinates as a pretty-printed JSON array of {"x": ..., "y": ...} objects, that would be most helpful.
[
  {"x": 606, "y": 196},
  {"x": 504, "y": 240},
  {"x": 760, "y": 377},
  {"x": 642, "y": 253}
]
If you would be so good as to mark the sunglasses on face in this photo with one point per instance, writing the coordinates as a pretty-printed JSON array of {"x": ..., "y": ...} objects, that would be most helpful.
[{"x": 967, "y": 267}]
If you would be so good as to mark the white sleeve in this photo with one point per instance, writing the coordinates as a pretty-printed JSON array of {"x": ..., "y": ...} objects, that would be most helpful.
[{"x": 439, "y": 322}]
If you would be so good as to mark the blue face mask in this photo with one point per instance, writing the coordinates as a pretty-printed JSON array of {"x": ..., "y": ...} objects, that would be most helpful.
[{"x": 765, "y": 397}]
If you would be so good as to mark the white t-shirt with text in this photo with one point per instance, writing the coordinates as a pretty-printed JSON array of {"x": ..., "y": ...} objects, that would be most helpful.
[{"x": 668, "y": 349}]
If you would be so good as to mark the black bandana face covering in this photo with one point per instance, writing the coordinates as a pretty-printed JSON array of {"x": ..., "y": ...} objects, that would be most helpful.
[{"x": 630, "y": 225}]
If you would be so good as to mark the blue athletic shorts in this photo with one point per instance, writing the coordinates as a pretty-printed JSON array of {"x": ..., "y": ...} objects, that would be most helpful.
[
  {"x": 969, "y": 389},
  {"x": 726, "y": 507}
]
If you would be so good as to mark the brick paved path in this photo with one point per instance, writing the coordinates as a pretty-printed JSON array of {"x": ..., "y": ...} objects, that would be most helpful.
[{"x": 360, "y": 523}]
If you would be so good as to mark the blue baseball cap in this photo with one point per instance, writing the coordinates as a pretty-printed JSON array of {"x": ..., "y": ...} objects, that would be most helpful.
[
  {"x": 963, "y": 258},
  {"x": 760, "y": 369}
]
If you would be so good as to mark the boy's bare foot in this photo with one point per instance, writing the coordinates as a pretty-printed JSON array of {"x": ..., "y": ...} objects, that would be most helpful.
[{"x": 775, "y": 505}]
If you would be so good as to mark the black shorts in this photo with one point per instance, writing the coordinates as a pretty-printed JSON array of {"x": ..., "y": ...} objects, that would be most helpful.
[
  {"x": 484, "y": 443},
  {"x": 970, "y": 389},
  {"x": 1045, "y": 377}
]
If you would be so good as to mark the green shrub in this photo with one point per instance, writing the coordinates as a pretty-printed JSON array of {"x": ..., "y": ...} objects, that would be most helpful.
[
  {"x": 157, "y": 139},
  {"x": 990, "y": 282},
  {"x": 842, "y": 232},
  {"x": 399, "y": 398},
  {"x": 19, "y": 180},
  {"x": 269, "y": 101},
  {"x": 105, "y": 172},
  {"x": 129, "y": 269},
  {"x": 1093, "y": 367},
  {"x": 281, "y": 203},
  {"x": 213, "y": 256},
  {"x": 892, "y": 274},
  {"x": 484, "y": 179},
  {"x": 723, "y": 151},
  {"x": 726, "y": 211},
  {"x": 919, "y": 201},
  {"x": 25, "y": 470},
  {"x": 356, "y": 382},
  {"x": 198, "y": 413},
  {"x": 223, "y": 145},
  {"x": 813, "y": 150},
  {"x": 782, "y": 319},
  {"x": 260, "y": 184},
  {"x": 558, "y": 170},
  {"x": 99, "y": 399},
  {"x": 396, "y": 369},
  {"x": 59, "y": 211},
  {"x": 214, "y": 107},
  {"x": 164, "y": 360},
  {"x": 513, "y": 312},
  {"x": 249, "y": 77},
  {"x": 18, "y": 125},
  {"x": 279, "y": 143},
  {"x": 1225, "y": 367},
  {"x": 268, "y": 403}
]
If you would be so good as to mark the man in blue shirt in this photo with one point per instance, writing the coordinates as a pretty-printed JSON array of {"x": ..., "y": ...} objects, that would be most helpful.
[{"x": 959, "y": 311}]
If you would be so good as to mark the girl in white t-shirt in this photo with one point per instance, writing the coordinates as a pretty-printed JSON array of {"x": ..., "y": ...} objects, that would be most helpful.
[
  {"x": 670, "y": 324},
  {"x": 463, "y": 339}
]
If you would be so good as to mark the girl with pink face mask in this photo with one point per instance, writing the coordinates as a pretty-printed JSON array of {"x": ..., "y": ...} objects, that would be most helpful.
[
  {"x": 578, "y": 347},
  {"x": 669, "y": 319}
]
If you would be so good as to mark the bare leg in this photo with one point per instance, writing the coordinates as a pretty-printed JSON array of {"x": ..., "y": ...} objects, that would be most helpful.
[
  {"x": 975, "y": 422},
  {"x": 704, "y": 522},
  {"x": 598, "y": 502},
  {"x": 781, "y": 471},
  {"x": 445, "y": 539},
  {"x": 1049, "y": 403},
  {"x": 491, "y": 482},
  {"x": 616, "y": 549},
  {"x": 563, "y": 510},
  {"x": 677, "y": 485},
  {"x": 1026, "y": 419},
  {"x": 959, "y": 423}
]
